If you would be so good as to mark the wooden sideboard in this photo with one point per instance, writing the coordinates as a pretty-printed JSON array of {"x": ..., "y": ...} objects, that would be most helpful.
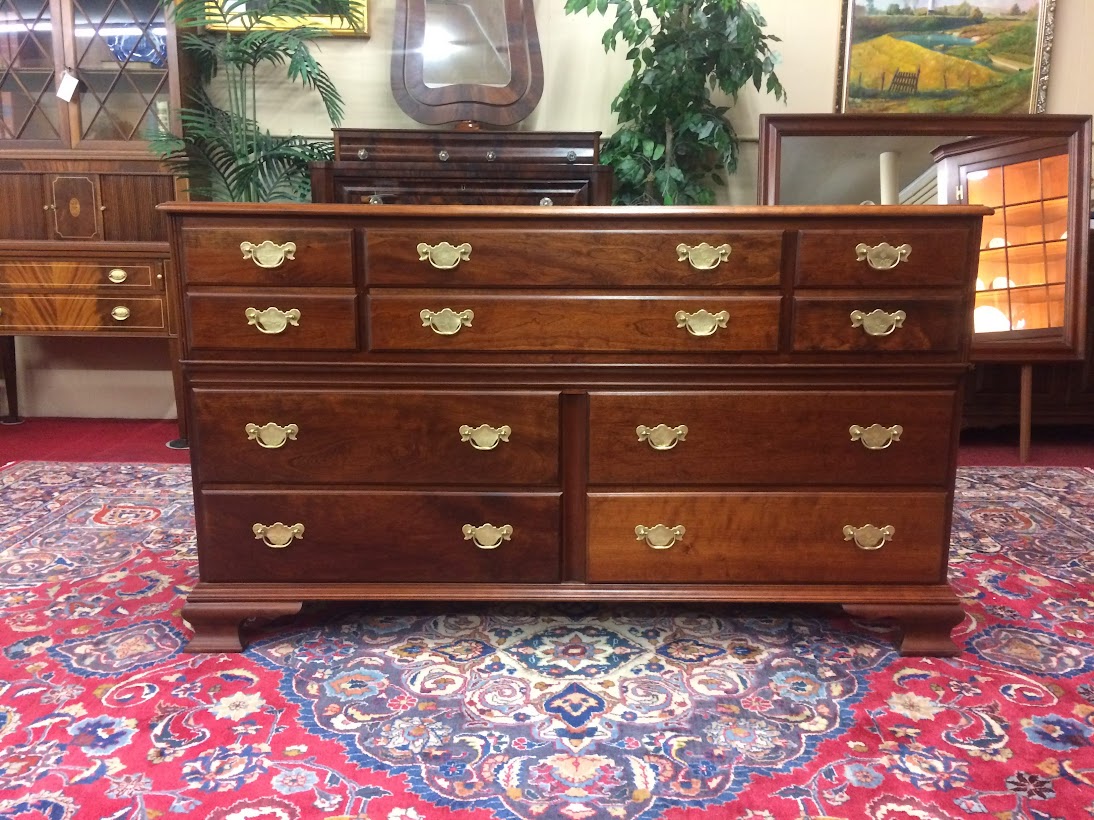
[{"x": 543, "y": 404}]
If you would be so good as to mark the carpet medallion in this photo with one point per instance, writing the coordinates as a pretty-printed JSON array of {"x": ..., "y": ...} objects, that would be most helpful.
[{"x": 522, "y": 712}]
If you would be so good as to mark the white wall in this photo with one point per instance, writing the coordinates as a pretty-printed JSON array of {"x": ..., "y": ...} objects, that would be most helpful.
[{"x": 131, "y": 378}]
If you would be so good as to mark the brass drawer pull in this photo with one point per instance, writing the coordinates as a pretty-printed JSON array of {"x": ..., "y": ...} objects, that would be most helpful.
[
  {"x": 659, "y": 536},
  {"x": 446, "y": 321},
  {"x": 272, "y": 320},
  {"x": 878, "y": 322},
  {"x": 487, "y": 536},
  {"x": 267, "y": 254},
  {"x": 875, "y": 437},
  {"x": 120, "y": 313},
  {"x": 117, "y": 276},
  {"x": 271, "y": 435},
  {"x": 278, "y": 536},
  {"x": 869, "y": 537},
  {"x": 883, "y": 256},
  {"x": 662, "y": 437},
  {"x": 484, "y": 437},
  {"x": 702, "y": 322},
  {"x": 703, "y": 256},
  {"x": 444, "y": 255}
]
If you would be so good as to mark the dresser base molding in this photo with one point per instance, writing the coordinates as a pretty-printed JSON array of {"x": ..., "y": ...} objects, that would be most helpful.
[{"x": 925, "y": 615}]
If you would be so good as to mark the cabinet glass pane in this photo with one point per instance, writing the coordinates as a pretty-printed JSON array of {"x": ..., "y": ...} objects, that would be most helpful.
[
  {"x": 121, "y": 57},
  {"x": 985, "y": 187},
  {"x": 1054, "y": 176},
  {"x": 28, "y": 108},
  {"x": 1022, "y": 182}
]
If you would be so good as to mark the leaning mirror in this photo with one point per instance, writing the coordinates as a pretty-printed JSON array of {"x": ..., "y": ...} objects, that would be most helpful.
[{"x": 1033, "y": 170}]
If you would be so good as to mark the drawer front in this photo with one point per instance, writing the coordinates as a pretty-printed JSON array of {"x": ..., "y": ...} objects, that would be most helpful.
[
  {"x": 770, "y": 438},
  {"x": 643, "y": 322},
  {"x": 64, "y": 275},
  {"x": 376, "y": 437},
  {"x": 361, "y": 537},
  {"x": 841, "y": 324},
  {"x": 835, "y": 259},
  {"x": 317, "y": 256},
  {"x": 44, "y": 313},
  {"x": 582, "y": 259},
  {"x": 463, "y": 191},
  {"x": 221, "y": 321},
  {"x": 768, "y": 538}
]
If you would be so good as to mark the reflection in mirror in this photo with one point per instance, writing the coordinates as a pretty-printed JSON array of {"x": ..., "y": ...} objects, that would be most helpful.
[{"x": 465, "y": 42}]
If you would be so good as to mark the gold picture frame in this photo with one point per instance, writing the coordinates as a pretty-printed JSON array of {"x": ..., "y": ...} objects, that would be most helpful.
[
  {"x": 332, "y": 25},
  {"x": 924, "y": 62}
]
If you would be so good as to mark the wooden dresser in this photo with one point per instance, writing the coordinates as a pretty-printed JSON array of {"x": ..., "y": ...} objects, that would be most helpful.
[{"x": 537, "y": 404}]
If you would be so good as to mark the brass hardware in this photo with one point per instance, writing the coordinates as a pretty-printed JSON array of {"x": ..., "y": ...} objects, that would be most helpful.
[
  {"x": 277, "y": 536},
  {"x": 487, "y": 536},
  {"x": 267, "y": 254},
  {"x": 102, "y": 208},
  {"x": 117, "y": 276},
  {"x": 875, "y": 437},
  {"x": 271, "y": 320},
  {"x": 883, "y": 256},
  {"x": 444, "y": 256},
  {"x": 485, "y": 437},
  {"x": 491, "y": 156},
  {"x": 443, "y": 156},
  {"x": 546, "y": 201},
  {"x": 159, "y": 277},
  {"x": 74, "y": 207},
  {"x": 571, "y": 156},
  {"x": 703, "y": 256},
  {"x": 50, "y": 207},
  {"x": 959, "y": 191},
  {"x": 878, "y": 322},
  {"x": 375, "y": 199},
  {"x": 659, "y": 536},
  {"x": 120, "y": 313},
  {"x": 702, "y": 322},
  {"x": 662, "y": 437},
  {"x": 869, "y": 537},
  {"x": 271, "y": 435},
  {"x": 447, "y": 322},
  {"x": 362, "y": 153}
]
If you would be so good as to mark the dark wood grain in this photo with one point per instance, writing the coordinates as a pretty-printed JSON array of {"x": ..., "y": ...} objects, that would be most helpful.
[
  {"x": 934, "y": 324},
  {"x": 129, "y": 206},
  {"x": 219, "y": 321},
  {"x": 322, "y": 257},
  {"x": 74, "y": 314},
  {"x": 938, "y": 258}
]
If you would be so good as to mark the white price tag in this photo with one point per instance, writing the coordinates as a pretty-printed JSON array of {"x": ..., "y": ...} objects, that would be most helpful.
[{"x": 67, "y": 87}]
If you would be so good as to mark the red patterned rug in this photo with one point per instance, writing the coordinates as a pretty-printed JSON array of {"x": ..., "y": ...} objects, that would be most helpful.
[{"x": 418, "y": 712}]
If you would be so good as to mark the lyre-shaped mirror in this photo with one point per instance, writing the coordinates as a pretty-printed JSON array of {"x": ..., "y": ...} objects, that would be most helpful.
[{"x": 466, "y": 60}]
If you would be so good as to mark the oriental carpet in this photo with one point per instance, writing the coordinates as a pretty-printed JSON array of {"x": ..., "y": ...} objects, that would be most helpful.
[{"x": 521, "y": 712}]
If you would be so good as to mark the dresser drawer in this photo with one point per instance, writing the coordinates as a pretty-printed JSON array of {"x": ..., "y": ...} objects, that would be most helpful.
[
  {"x": 387, "y": 188},
  {"x": 475, "y": 321},
  {"x": 33, "y": 314},
  {"x": 376, "y": 437},
  {"x": 67, "y": 275},
  {"x": 768, "y": 538},
  {"x": 360, "y": 537},
  {"x": 935, "y": 324},
  {"x": 770, "y": 438},
  {"x": 301, "y": 321},
  {"x": 936, "y": 258},
  {"x": 317, "y": 256},
  {"x": 581, "y": 259}
]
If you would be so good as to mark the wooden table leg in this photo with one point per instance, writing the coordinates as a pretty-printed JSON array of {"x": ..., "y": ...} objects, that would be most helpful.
[
  {"x": 11, "y": 386},
  {"x": 1025, "y": 412}
]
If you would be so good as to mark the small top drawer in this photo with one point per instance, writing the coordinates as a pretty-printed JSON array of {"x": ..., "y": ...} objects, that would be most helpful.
[
  {"x": 882, "y": 257},
  {"x": 70, "y": 274},
  {"x": 280, "y": 255},
  {"x": 712, "y": 258}
]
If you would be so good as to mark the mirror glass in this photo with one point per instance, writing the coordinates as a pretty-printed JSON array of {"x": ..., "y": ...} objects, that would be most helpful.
[{"x": 466, "y": 42}]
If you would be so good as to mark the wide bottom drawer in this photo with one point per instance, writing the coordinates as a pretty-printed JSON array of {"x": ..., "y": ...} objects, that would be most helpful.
[
  {"x": 362, "y": 537},
  {"x": 825, "y": 537}
]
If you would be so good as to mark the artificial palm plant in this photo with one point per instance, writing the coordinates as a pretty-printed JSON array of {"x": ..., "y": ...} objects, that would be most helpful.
[{"x": 223, "y": 152}]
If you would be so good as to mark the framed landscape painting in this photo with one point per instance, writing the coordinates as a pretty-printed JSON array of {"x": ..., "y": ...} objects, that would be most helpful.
[{"x": 939, "y": 57}]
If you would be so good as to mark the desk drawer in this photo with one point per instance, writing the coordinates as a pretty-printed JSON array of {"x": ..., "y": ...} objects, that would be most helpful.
[
  {"x": 768, "y": 538},
  {"x": 936, "y": 258},
  {"x": 360, "y": 537},
  {"x": 317, "y": 256},
  {"x": 770, "y": 438},
  {"x": 476, "y": 321},
  {"x": 63, "y": 275},
  {"x": 581, "y": 259},
  {"x": 377, "y": 437},
  {"x": 843, "y": 323},
  {"x": 298, "y": 321},
  {"x": 45, "y": 313}
]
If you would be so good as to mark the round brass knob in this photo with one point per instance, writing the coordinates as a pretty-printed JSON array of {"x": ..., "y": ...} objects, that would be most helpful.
[
  {"x": 117, "y": 276},
  {"x": 362, "y": 153},
  {"x": 442, "y": 156},
  {"x": 120, "y": 313},
  {"x": 491, "y": 156}
]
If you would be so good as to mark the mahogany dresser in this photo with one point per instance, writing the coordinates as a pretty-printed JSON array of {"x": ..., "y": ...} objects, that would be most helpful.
[{"x": 542, "y": 404}]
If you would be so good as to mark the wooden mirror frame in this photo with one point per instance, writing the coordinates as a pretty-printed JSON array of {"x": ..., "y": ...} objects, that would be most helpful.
[
  {"x": 1072, "y": 130},
  {"x": 487, "y": 104}
]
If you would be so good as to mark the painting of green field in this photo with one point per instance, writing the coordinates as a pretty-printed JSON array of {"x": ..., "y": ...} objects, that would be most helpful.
[{"x": 933, "y": 59}]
